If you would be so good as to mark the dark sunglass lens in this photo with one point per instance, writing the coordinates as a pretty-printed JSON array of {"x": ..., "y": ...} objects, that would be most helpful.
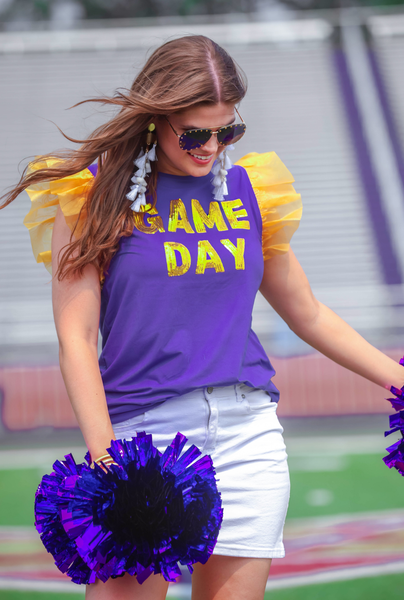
[
  {"x": 194, "y": 139},
  {"x": 231, "y": 135}
]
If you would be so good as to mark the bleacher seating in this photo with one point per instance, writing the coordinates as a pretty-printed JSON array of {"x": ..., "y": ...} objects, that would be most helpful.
[{"x": 294, "y": 106}]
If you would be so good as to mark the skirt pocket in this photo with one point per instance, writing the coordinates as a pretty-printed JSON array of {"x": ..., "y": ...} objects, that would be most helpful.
[
  {"x": 127, "y": 429},
  {"x": 255, "y": 398}
]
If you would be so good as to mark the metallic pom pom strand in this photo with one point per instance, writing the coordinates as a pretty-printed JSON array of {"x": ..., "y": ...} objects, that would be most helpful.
[
  {"x": 145, "y": 513},
  {"x": 395, "y": 458},
  {"x": 52, "y": 495}
]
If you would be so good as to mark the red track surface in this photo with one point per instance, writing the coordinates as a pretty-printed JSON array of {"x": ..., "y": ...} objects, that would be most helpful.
[
  {"x": 312, "y": 546},
  {"x": 310, "y": 385},
  {"x": 329, "y": 543}
]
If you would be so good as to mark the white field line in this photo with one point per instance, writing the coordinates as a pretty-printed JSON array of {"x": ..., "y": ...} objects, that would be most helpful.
[
  {"x": 336, "y": 575},
  {"x": 392, "y": 514},
  {"x": 183, "y": 590},
  {"x": 297, "y": 446},
  {"x": 339, "y": 445},
  {"x": 9, "y": 583},
  {"x": 177, "y": 590},
  {"x": 42, "y": 458}
]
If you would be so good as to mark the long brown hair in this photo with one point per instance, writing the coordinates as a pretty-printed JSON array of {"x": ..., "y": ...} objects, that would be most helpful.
[{"x": 184, "y": 72}]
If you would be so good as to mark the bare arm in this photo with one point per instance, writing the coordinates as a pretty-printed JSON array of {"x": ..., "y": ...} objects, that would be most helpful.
[
  {"x": 286, "y": 288},
  {"x": 76, "y": 308}
]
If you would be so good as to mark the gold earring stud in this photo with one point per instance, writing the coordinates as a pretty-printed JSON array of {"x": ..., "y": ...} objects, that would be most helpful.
[{"x": 149, "y": 137}]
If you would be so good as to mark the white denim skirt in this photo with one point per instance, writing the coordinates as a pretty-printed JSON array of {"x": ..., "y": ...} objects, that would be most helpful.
[{"x": 238, "y": 427}]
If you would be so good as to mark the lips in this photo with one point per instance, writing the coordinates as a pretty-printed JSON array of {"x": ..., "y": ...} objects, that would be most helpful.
[{"x": 201, "y": 158}]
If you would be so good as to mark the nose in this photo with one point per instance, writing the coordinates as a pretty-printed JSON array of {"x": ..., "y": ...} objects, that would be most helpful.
[{"x": 212, "y": 145}]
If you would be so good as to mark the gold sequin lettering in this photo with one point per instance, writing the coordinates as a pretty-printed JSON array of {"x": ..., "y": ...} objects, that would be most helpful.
[
  {"x": 237, "y": 252},
  {"x": 173, "y": 269},
  {"x": 214, "y": 217},
  {"x": 208, "y": 258},
  {"x": 178, "y": 218},
  {"x": 155, "y": 223},
  {"x": 233, "y": 215}
]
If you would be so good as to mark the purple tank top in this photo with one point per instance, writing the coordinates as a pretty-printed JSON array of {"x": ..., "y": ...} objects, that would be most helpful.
[{"x": 177, "y": 301}]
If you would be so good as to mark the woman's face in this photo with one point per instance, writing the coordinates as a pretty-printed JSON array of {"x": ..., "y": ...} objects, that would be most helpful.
[{"x": 173, "y": 160}]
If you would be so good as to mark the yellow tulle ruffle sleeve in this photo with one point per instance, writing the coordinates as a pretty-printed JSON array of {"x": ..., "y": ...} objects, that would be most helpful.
[
  {"x": 279, "y": 204},
  {"x": 70, "y": 193}
]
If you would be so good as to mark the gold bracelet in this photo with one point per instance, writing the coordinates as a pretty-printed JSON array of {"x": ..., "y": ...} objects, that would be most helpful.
[
  {"x": 105, "y": 459},
  {"x": 101, "y": 458}
]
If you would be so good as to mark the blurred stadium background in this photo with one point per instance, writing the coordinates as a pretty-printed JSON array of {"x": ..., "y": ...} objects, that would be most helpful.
[{"x": 325, "y": 92}]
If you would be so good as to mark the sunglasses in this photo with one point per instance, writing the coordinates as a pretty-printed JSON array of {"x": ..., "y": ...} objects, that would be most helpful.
[{"x": 195, "y": 138}]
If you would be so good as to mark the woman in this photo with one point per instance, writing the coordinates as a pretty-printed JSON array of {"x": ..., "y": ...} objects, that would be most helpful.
[{"x": 171, "y": 284}]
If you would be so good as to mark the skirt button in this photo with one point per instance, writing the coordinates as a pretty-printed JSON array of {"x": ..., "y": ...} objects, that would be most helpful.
[{"x": 210, "y": 390}]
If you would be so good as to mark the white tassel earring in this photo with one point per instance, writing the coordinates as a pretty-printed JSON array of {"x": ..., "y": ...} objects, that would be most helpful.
[
  {"x": 137, "y": 194},
  {"x": 219, "y": 170}
]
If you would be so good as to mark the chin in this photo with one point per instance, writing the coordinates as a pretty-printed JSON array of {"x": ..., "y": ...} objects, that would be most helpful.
[{"x": 201, "y": 172}]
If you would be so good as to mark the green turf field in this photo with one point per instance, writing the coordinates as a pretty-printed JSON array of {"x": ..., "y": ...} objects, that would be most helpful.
[
  {"x": 377, "y": 588},
  {"x": 356, "y": 483},
  {"x": 374, "y": 588},
  {"x": 362, "y": 484}
]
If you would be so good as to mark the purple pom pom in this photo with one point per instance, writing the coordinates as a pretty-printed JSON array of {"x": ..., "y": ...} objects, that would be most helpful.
[
  {"x": 51, "y": 497},
  {"x": 398, "y": 402},
  {"x": 143, "y": 515},
  {"x": 395, "y": 458},
  {"x": 396, "y": 421}
]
